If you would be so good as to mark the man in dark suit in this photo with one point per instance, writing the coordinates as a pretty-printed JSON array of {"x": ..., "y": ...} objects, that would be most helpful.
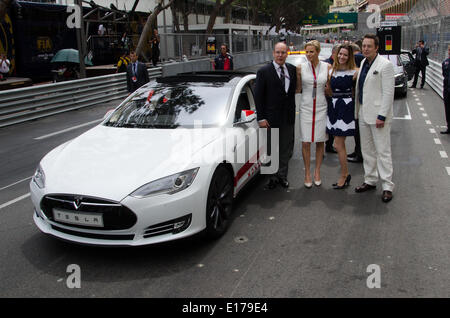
[
  {"x": 137, "y": 74},
  {"x": 421, "y": 62},
  {"x": 275, "y": 104},
  {"x": 446, "y": 86}
]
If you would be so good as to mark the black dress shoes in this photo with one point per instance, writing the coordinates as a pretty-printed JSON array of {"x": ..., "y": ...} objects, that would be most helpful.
[
  {"x": 364, "y": 187},
  {"x": 355, "y": 158},
  {"x": 387, "y": 196},
  {"x": 445, "y": 132},
  {"x": 283, "y": 182},
  {"x": 272, "y": 184}
]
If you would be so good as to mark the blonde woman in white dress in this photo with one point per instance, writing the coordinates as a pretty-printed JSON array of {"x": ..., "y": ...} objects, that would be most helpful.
[{"x": 311, "y": 80}]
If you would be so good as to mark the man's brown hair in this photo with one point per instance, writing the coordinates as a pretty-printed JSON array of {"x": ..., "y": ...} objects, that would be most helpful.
[{"x": 374, "y": 37}]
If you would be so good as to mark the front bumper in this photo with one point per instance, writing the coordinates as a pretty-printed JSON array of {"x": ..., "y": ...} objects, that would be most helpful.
[{"x": 160, "y": 218}]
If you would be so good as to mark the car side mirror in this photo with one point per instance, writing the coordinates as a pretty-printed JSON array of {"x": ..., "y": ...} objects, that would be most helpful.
[{"x": 247, "y": 116}]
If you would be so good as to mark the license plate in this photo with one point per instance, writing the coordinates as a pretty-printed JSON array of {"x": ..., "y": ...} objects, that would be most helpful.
[{"x": 78, "y": 218}]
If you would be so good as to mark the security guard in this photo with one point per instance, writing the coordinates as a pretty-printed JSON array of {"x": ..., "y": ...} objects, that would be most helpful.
[{"x": 446, "y": 74}]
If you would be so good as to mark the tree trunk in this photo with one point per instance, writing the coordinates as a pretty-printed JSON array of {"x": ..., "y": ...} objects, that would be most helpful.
[
  {"x": 148, "y": 28},
  {"x": 176, "y": 23},
  {"x": 212, "y": 18},
  {"x": 255, "y": 5}
]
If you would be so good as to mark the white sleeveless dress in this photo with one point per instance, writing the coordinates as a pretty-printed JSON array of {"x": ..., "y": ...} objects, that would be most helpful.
[{"x": 313, "y": 114}]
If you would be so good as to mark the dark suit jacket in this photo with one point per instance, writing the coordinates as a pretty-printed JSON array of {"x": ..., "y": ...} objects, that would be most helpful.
[
  {"x": 141, "y": 76},
  {"x": 423, "y": 61},
  {"x": 272, "y": 102}
]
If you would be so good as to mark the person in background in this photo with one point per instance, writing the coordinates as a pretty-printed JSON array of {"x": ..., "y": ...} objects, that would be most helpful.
[
  {"x": 4, "y": 67},
  {"x": 356, "y": 155},
  {"x": 101, "y": 30},
  {"x": 291, "y": 46},
  {"x": 421, "y": 62},
  {"x": 123, "y": 62},
  {"x": 155, "y": 47},
  {"x": 224, "y": 61},
  {"x": 446, "y": 75},
  {"x": 125, "y": 41},
  {"x": 358, "y": 55},
  {"x": 137, "y": 74}
]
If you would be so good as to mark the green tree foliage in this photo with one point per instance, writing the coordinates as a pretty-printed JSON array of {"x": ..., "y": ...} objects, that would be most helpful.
[{"x": 286, "y": 13}]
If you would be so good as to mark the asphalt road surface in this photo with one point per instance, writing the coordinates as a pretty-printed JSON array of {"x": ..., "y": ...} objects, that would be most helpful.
[{"x": 282, "y": 243}]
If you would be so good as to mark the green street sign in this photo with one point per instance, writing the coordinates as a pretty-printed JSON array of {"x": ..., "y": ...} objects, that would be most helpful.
[{"x": 331, "y": 18}]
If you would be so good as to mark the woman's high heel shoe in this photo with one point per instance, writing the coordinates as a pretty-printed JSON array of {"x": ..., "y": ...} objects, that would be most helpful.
[{"x": 345, "y": 185}]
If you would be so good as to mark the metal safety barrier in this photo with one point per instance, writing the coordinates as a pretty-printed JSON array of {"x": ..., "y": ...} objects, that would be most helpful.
[
  {"x": 434, "y": 78},
  {"x": 29, "y": 103}
]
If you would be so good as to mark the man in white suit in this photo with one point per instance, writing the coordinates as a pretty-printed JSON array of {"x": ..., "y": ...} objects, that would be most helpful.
[{"x": 374, "y": 108}]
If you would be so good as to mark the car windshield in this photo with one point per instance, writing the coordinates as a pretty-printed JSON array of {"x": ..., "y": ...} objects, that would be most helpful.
[{"x": 162, "y": 105}]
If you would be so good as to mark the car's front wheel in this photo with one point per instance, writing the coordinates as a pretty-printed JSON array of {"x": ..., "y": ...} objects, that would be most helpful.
[{"x": 219, "y": 204}]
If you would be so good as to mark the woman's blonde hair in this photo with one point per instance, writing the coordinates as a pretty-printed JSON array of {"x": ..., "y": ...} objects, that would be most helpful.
[
  {"x": 315, "y": 44},
  {"x": 350, "y": 65}
]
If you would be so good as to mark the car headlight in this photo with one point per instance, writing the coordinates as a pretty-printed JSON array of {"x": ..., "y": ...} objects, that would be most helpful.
[
  {"x": 39, "y": 177},
  {"x": 167, "y": 185}
]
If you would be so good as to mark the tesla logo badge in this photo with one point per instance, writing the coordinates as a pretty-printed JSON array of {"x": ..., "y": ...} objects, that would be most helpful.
[{"x": 77, "y": 202}]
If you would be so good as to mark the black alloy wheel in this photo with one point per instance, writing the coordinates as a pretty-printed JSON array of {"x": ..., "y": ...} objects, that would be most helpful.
[{"x": 219, "y": 204}]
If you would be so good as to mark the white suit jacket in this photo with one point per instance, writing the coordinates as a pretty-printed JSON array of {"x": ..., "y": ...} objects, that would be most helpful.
[{"x": 378, "y": 91}]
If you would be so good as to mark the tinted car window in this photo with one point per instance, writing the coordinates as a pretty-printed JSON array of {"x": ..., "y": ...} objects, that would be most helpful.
[{"x": 162, "y": 105}]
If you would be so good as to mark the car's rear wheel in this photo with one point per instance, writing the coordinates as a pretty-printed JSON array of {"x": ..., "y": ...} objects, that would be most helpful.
[{"x": 220, "y": 203}]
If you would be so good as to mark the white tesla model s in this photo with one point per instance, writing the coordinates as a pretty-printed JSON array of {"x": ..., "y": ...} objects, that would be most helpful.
[{"x": 162, "y": 166}]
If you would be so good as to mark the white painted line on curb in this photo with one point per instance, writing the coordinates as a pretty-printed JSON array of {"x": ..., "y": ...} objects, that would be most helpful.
[
  {"x": 68, "y": 129},
  {"x": 13, "y": 184},
  {"x": 437, "y": 141},
  {"x": 443, "y": 154},
  {"x": 4, "y": 205}
]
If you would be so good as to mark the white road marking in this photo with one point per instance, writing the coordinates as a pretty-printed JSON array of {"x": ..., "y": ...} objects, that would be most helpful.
[
  {"x": 428, "y": 122},
  {"x": 407, "y": 116},
  {"x": 417, "y": 99},
  {"x": 68, "y": 129},
  {"x": 421, "y": 108},
  {"x": 448, "y": 170},
  {"x": 4, "y": 205},
  {"x": 432, "y": 131},
  {"x": 420, "y": 104},
  {"x": 437, "y": 141},
  {"x": 443, "y": 154},
  {"x": 13, "y": 184},
  {"x": 425, "y": 115}
]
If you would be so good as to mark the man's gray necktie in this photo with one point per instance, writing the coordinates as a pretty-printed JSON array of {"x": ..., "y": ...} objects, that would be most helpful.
[{"x": 282, "y": 78}]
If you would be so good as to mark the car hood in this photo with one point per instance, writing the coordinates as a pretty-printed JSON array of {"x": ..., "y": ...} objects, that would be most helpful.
[{"x": 111, "y": 163}]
